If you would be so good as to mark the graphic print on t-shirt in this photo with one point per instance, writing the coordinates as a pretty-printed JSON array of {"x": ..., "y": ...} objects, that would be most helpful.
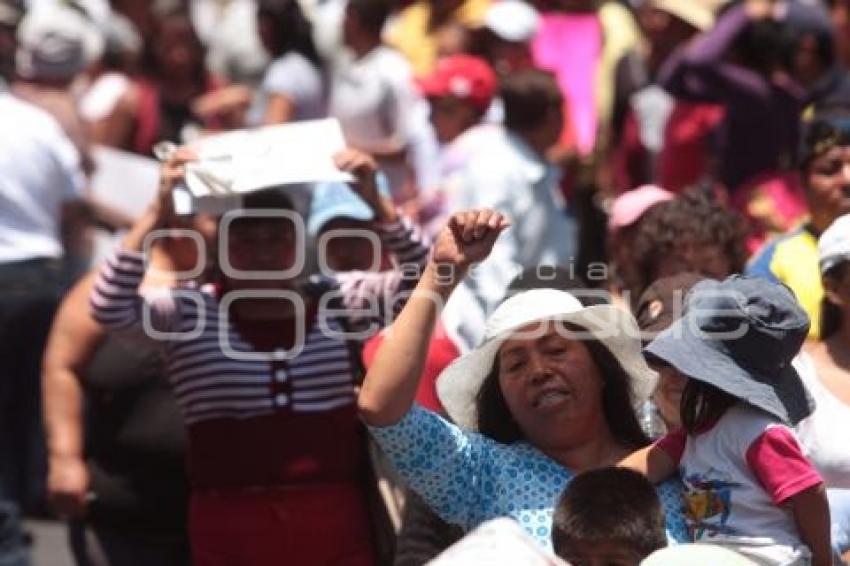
[{"x": 708, "y": 502}]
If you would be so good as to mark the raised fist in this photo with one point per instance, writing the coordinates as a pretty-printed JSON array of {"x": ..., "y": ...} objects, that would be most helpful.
[{"x": 468, "y": 237}]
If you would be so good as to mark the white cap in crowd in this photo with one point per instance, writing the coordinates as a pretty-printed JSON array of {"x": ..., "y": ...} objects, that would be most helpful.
[
  {"x": 512, "y": 20},
  {"x": 834, "y": 244},
  {"x": 698, "y": 13},
  {"x": 56, "y": 42}
]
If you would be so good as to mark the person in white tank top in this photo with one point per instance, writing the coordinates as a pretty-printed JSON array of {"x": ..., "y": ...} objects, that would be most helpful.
[{"x": 825, "y": 369}]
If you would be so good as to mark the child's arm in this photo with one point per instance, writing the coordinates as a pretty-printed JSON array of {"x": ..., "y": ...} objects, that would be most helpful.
[
  {"x": 653, "y": 462},
  {"x": 811, "y": 513},
  {"x": 777, "y": 460}
]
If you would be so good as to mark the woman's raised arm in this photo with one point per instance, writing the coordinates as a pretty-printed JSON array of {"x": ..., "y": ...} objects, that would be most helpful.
[{"x": 390, "y": 385}]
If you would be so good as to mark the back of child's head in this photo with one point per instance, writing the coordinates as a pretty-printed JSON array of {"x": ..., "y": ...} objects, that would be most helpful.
[
  {"x": 703, "y": 405},
  {"x": 370, "y": 14},
  {"x": 610, "y": 511}
]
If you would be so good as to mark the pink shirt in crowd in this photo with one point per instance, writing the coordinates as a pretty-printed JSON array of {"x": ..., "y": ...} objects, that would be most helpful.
[{"x": 580, "y": 37}]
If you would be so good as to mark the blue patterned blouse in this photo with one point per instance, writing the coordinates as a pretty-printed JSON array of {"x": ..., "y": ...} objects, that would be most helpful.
[{"x": 468, "y": 478}]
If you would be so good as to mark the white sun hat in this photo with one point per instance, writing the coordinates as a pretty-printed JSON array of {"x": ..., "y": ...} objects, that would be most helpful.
[
  {"x": 459, "y": 384},
  {"x": 834, "y": 244}
]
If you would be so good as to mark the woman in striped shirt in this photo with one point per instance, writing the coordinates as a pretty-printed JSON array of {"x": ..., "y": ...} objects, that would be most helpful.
[{"x": 261, "y": 370}]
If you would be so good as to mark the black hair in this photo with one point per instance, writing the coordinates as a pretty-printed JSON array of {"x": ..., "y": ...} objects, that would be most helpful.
[
  {"x": 609, "y": 504},
  {"x": 370, "y": 14},
  {"x": 268, "y": 199},
  {"x": 528, "y": 95},
  {"x": 831, "y": 318},
  {"x": 293, "y": 31},
  {"x": 703, "y": 405},
  {"x": 559, "y": 278},
  {"x": 829, "y": 128},
  {"x": 765, "y": 46},
  {"x": 694, "y": 218},
  {"x": 495, "y": 420},
  {"x": 150, "y": 63}
]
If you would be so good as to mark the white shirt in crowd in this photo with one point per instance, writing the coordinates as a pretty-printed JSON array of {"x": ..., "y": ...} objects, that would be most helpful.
[
  {"x": 451, "y": 159},
  {"x": 294, "y": 76},
  {"x": 39, "y": 172},
  {"x": 821, "y": 434},
  {"x": 101, "y": 98},
  {"x": 508, "y": 176},
  {"x": 373, "y": 98},
  {"x": 728, "y": 502}
]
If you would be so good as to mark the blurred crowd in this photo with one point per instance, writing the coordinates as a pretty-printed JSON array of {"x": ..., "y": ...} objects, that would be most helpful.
[{"x": 636, "y": 147}]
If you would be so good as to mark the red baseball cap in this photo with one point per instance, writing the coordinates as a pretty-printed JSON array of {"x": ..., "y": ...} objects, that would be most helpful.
[{"x": 463, "y": 76}]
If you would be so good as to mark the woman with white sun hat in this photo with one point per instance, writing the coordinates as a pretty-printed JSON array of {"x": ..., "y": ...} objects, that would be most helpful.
[{"x": 549, "y": 393}]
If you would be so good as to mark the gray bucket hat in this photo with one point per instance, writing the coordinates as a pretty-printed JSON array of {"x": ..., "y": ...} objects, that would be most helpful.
[{"x": 740, "y": 335}]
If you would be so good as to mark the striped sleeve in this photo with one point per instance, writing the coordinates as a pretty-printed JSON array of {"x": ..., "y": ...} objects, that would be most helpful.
[
  {"x": 387, "y": 290},
  {"x": 117, "y": 304}
]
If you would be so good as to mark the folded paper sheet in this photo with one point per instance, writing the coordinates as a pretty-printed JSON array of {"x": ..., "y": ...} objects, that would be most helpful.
[{"x": 243, "y": 161}]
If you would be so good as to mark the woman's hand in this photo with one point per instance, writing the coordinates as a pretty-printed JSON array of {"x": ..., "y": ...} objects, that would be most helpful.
[
  {"x": 161, "y": 210},
  {"x": 171, "y": 173},
  {"x": 227, "y": 105},
  {"x": 68, "y": 486},
  {"x": 468, "y": 238},
  {"x": 364, "y": 169},
  {"x": 391, "y": 382}
]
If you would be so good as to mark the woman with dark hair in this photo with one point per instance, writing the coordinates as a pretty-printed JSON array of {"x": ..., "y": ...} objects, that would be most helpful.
[
  {"x": 549, "y": 393},
  {"x": 262, "y": 368},
  {"x": 293, "y": 87},
  {"x": 159, "y": 103},
  {"x": 825, "y": 369}
]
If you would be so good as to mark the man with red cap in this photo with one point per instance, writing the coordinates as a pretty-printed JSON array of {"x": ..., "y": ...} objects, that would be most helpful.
[
  {"x": 510, "y": 173},
  {"x": 459, "y": 92}
]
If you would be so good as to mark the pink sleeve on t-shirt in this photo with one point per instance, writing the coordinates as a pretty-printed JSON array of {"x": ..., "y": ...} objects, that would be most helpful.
[
  {"x": 673, "y": 443},
  {"x": 778, "y": 462}
]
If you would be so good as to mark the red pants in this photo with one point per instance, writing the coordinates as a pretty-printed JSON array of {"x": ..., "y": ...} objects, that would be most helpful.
[{"x": 315, "y": 526}]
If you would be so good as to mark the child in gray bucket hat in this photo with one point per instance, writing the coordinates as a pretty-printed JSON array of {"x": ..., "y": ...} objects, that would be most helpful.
[{"x": 748, "y": 485}]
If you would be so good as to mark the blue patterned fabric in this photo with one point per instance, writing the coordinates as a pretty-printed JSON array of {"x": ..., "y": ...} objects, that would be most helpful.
[{"x": 468, "y": 478}]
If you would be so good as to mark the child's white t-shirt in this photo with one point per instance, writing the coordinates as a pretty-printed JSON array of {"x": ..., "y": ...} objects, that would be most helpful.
[{"x": 737, "y": 475}]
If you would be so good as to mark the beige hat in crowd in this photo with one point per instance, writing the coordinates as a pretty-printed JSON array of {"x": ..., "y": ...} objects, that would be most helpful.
[{"x": 699, "y": 13}]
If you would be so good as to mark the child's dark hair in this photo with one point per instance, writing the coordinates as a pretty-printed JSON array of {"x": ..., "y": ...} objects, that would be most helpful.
[
  {"x": 830, "y": 314},
  {"x": 696, "y": 219},
  {"x": 609, "y": 504},
  {"x": 372, "y": 14},
  {"x": 702, "y": 405},
  {"x": 528, "y": 95}
]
